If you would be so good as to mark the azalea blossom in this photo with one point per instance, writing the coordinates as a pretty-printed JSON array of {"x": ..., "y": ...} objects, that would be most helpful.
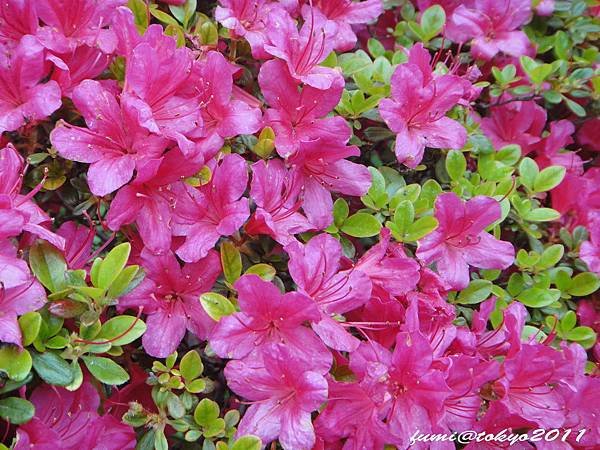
[
  {"x": 169, "y": 296},
  {"x": 416, "y": 113},
  {"x": 284, "y": 391},
  {"x": 267, "y": 317},
  {"x": 461, "y": 241},
  {"x": 69, "y": 420},
  {"x": 114, "y": 143},
  {"x": 491, "y": 26}
]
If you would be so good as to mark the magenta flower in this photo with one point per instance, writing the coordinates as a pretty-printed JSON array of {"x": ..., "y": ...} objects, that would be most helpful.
[
  {"x": 303, "y": 50},
  {"x": 321, "y": 168},
  {"x": 416, "y": 111},
  {"x": 345, "y": 13},
  {"x": 224, "y": 117},
  {"x": 213, "y": 210},
  {"x": 276, "y": 194},
  {"x": 284, "y": 391},
  {"x": 300, "y": 115},
  {"x": 267, "y": 317},
  {"x": 78, "y": 243},
  {"x": 492, "y": 26},
  {"x": 519, "y": 123},
  {"x": 461, "y": 241},
  {"x": 23, "y": 97},
  {"x": 589, "y": 251},
  {"x": 81, "y": 64},
  {"x": 315, "y": 268},
  {"x": 18, "y": 212},
  {"x": 70, "y": 421},
  {"x": 550, "y": 149},
  {"x": 149, "y": 201},
  {"x": 70, "y": 23},
  {"x": 114, "y": 143},
  {"x": 17, "y": 19},
  {"x": 407, "y": 381},
  {"x": 20, "y": 293},
  {"x": 169, "y": 295}
]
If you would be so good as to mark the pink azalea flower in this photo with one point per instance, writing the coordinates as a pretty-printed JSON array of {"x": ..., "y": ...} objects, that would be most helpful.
[
  {"x": 550, "y": 149},
  {"x": 224, "y": 117},
  {"x": 352, "y": 414},
  {"x": 448, "y": 5},
  {"x": 70, "y": 23},
  {"x": 315, "y": 268},
  {"x": 519, "y": 123},
  {"x": 169, "y": 295},
  {"x": 247, "y": 19},
  {"x": 589, "y": 251},
  {"x": 70, "y": 421},
  {"x": 589, "y": 134},
  {"x": 114, "y": 143},
  {"x": 303, "y": 50},
  {"x": 492, "y": 26},
  {"x": 299, "y": 115},
  {"x": 321, "y": 168},
  {"x": 20, "y": 293},
  {"x": 213, "y": 210},
  {"x": 545, "y": 8},
  {"x": 78, "y": 243},
  {"x": 276, "y": 194},
  {"x": 388, "y": 267},
  {"x": 18, "y": 212},
  {"x": 577, "y": 198},
  {"x": 150, "y": 200},
  {"x": 416, "y": 111},
  {"x": 23, "y": 98},
  {"x": 284, "y": 391},
  {"x": 17, "y": 19},
  {"x": 346, "y": 13},
  {"x": 410, "y": 385},
  {"x": 461, "y": 241},
  {"x": 267, "y": 317}
]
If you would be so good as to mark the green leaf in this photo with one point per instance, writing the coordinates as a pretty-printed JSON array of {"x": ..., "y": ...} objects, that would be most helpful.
[
  {"x": 16, "y": 410},
  {"x": 456, "y": 164},
  {"x": 52, "y": 368},
  {"x": 48, "y": 265},
  {"x": 476, "y": 292},
  {"x": 340, "y": 211},
  {"x": 550, "y": 257},
  {"x": 549, "y": 178},
  {"x": 509, "y": 155},
  {"x": 231, "y": 260},
  {"x": 568, "y": 321},
  {"x": 581, "y": 334},
  {"x": 30, "y": 324},
  {"x": 121, "y": 330},
  {"x": 175, "y": 407},
  {"x": 160, "y": 440},
  {"x": 105, "y": 370},
  {"x": 421, "y": 228},
  {"x": 247, "y": 442},
  {"x": 208, "y": 33},
  {"x": 584, "y": 284},
  {"x": 122, "y": 283},
  {"x": 375, "y": 47},
  {"x": 140, "y": 14},
  {"x": 216, "y": 306},
  {"x": 361, "y": 225},
  {"x": 529, "y": 171},
  {"x": 163, "y": 17},
  {"x": 206, "y": 412},
  {"x": 112, "y": 265},
  {"x": 191, "y": 365},
  {"x": 542, "y": 215},
  {"x": 538, "y": 298},
  {"x": 196, "y": 386},
  {"x": 14, "y": 362},
  {"x": 432, "y": 21},
  {"x": 265, "y": 271},
  {"x": 575, "y": 107}
]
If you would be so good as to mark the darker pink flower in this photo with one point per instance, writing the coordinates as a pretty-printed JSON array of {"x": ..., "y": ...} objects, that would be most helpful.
[
  {"x": 17, "y": 19},
  {"x": 70, "y": 421},
  {"x": 114, "y": 143},
  {"x": 491, "y": 26},
  {"x": 80, "y": 64},
  {"x": 589, "y": 251},
  {"x": 416, "y": 111},
  {"x": 267, "y": 317},
  {"x": 551, "y": 149},
  {"x": 519, "y": 123},
  {"x": 321, "y": 169},
  {"x": 169, "y": 295},
  {"x": 213, "y": 210},
  {"x": 303, "y": 50},
  {"x": 315, "y": 268},
  {"x": 283, "y": 391},
  {"x": 276, "y": 193},
  {"x": 461, "y": 241},
  {"x": 23, "y": 96}
]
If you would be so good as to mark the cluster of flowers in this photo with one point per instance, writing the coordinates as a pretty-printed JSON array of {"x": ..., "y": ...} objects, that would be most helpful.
[{"x": 360, "y": 352}]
